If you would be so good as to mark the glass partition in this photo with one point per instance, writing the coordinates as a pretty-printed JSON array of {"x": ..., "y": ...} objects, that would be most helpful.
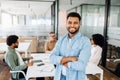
[
  {"x": 34, "y": 26},
  {"x": 92, "y": 19},
  {"x": 113, "y": 55}
]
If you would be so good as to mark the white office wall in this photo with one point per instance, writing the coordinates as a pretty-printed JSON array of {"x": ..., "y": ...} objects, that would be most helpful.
[
  {"x": 0, "y": 16},
  {"x": 62, "y": 23}
]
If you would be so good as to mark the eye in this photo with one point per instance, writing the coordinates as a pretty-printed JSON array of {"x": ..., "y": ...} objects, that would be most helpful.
[
  {"x": 69, "y": 22},
  {"x": 75, "y": 22}
]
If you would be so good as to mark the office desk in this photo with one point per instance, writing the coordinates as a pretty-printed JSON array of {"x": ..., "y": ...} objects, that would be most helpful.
[
  {"x": 48, "y": 69},
  {"x": 94, "y": 69},
  {"x": 23, "y": 47}
]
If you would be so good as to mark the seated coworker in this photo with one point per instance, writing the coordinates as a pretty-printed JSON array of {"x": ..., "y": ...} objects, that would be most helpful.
[
  {"x": 13, "y": 58},
  {"x": 97, "y": 42},
  {"x": 50, "y": 44}
]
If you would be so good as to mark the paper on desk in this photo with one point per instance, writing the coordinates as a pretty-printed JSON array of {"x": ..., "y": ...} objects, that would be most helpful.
[{"x": 46, "y": 68}]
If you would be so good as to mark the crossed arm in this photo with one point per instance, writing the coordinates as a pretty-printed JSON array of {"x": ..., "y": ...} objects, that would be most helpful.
[{"x": 65, "y": 60}]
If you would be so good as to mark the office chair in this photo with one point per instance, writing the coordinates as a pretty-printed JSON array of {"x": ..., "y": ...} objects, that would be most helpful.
[
  {"x": 18, "y": 76},
  {"x": 16, "y": 72}
]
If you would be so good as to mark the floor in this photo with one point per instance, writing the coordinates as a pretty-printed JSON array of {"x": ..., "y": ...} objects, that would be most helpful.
[{"x": 4, "y": 73}]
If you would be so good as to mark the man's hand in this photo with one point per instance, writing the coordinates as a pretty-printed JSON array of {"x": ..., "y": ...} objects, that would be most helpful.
[
  {"x": 29, "y": 63},
  {"x": 69, "y": 59},
  {"x": 73, "y": 58},
  {"x": 66, "y": 64},
  {"x": 30, "y": 57}
]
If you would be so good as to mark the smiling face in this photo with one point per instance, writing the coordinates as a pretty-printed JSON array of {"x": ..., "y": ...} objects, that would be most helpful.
[{"x": 73, "y": 25}]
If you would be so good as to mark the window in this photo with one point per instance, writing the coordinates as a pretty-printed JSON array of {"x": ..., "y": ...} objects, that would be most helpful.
[{"x": 6, "y": 20}]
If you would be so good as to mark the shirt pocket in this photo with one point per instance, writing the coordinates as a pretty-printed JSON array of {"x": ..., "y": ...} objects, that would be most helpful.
[
  {"x": 76, "y": 50},
  {"x": 62, "y": 50}
]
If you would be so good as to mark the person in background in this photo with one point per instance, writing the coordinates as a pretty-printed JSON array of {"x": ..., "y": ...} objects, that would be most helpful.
[
  {"x": 97, "y": 42},
  {"x": 13, "y": 58},
  {"x": 72, "y": 51},
  {"x": 50, "y": 44}
]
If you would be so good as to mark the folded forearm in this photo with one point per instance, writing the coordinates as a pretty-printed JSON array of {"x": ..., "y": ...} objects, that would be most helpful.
[
  {"x": 68, "y": 59},
  {"x": 65, "y": 60}
]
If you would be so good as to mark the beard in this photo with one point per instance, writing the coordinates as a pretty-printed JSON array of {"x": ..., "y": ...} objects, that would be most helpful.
[
  {"x": 74, "y": 32},
  {"x": 16, "y": 46}
]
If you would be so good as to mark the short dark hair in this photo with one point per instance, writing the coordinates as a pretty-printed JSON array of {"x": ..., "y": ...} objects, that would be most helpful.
[
  {"x": 52, "y": 33},
  {"x": 74, "y": 14},
  {"x": 98, "y": 39},
  {"x": 11, "y": 39}
]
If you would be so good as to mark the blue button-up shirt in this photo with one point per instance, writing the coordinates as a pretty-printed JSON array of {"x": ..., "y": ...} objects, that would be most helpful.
[{"x": 79, "y": 46}]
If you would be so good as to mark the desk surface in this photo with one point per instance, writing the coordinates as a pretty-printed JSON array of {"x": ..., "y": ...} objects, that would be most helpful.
[
  {"x": 93, "y": 69},
  {"x": 48, "y": 69},
  {"x": 45, "y": 70}
]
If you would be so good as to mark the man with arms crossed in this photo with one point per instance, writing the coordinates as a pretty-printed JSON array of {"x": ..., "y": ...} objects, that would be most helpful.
[{"x": 71, "y": 52}]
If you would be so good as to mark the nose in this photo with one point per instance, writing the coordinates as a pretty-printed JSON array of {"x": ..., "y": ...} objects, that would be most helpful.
[{"x": 72, "y": 25}]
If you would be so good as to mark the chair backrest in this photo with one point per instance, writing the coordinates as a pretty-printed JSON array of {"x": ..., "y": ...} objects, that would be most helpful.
[
  {"x": 19, "y": 72},
  {"x": 4, "y": 71},
  {"x": 12, "y": 72}
]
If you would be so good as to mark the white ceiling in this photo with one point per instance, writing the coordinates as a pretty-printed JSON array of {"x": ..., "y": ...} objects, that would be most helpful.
[
  {"x": 26, "y": 7},
  {"x": 41, "y": 7}
]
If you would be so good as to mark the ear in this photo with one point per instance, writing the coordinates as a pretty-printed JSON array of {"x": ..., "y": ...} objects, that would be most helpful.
[{"x": 13, "y": 44}]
